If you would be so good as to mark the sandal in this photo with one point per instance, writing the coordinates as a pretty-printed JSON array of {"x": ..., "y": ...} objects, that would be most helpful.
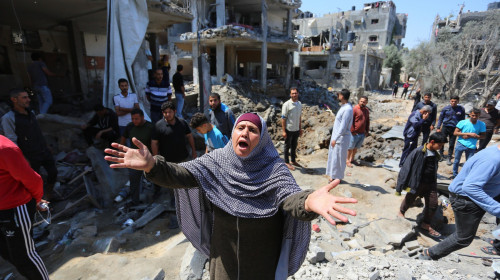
[
  {"x": 425, "y": 255},
  {"x": 290, "y": 166},
  {"x": 490, "y": 250},
  {"x": 430, "y": 232},
  {"x": 488, "y": 240}
]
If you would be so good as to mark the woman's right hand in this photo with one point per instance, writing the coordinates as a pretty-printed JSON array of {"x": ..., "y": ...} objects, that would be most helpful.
[{"x": 125, "y": 157}]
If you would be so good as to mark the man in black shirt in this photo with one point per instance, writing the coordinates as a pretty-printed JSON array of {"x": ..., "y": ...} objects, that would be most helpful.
[
  {"x": 491, "y": 118},
  {"x": 180, "y": 94},
  {"x": 418, "y": 176},
  {"x": 104, "y": 125},
  {"x": 169, "y": 139}
]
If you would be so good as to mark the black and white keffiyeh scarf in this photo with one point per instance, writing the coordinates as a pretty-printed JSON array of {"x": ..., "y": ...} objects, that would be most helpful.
[{"x": 250, "y": 187}]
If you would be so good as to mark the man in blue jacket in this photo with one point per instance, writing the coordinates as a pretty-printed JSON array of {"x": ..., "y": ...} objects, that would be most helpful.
[
  {"x": 448, "y": 119},
  {"x": 412, "y": 130},
  {"x": 475, "y": 191},
  {"x": 430, "y": 122}
]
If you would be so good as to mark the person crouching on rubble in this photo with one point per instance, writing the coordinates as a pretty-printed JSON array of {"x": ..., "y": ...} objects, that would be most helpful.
[
  {"x": 419, "y": 175},
  {"x": 240, "y": 204}
]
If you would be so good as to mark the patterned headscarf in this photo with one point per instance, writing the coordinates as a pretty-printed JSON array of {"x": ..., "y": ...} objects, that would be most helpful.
[{"x": 250, "y": 187}]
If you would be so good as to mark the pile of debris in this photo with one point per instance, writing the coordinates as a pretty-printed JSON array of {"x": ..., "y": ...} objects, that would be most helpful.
[{"x": 222, "y": 31}]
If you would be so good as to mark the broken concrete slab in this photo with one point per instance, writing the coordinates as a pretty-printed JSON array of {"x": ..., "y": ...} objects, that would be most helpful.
[
  {"x": 111, "y": 180},
  {"x": 108, "y": 245},
  {"x": 315, "y": 254},
  {"x": 149, "y": 216},
  {"x": 158, "y": 275},
  {"x": 396, "y": 132},
  {"x": 395, "y": 232},
  {"x": 193, "y": 263}
]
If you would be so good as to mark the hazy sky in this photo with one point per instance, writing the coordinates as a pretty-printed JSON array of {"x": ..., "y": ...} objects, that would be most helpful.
[{"x": 421, "y": 13}]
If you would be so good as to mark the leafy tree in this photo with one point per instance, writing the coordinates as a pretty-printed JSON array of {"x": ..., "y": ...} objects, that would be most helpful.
[{"x": 394, "y": 60}]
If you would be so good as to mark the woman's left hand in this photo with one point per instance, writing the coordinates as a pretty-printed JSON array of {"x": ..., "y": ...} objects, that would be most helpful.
[{"x": 327, "y": 205}]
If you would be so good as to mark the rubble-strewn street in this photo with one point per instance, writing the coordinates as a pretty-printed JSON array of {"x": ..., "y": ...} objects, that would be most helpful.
[{"x": 83, "y": 241}]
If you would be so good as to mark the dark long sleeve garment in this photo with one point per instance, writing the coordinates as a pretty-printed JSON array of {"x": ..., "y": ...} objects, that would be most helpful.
[
  {"x": 240, "y": 248},
  {"x": 171, "y": 175}
]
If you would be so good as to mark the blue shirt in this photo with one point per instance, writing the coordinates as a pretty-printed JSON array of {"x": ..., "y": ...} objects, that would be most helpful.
[
  {"x": 479, "y": 180},
  {"x": 466, "y": 126},
  {"x": 450, "y": 116},
  {"x": 215, "y": 139}
]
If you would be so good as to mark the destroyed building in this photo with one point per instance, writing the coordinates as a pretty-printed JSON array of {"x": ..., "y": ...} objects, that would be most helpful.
[
  {"x": 73, "y": 37},
  {"x": 250, "y": 39},
  {"x": 334, "y": 49},
  {"x": 474, "y": 69}
]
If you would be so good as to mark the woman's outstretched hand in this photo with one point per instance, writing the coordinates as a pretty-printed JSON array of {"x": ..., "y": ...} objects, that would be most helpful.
[
  {"x": 125, "y": 157},
  {"x": 327, "y": 205}
]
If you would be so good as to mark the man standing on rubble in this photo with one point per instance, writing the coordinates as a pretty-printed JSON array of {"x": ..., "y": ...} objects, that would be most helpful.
[
  {"x": 180, "y": 93},
  {"x": 395, "y": 89},
  {"x": 474, "y": 192},
  {"x": 38, "y": 73},
  {"x": 170, "y": 138},
  {"x": 359, "y": 129},
  {"x": 341, "y": 136},
  {"x": 491, "y": 117},
  {"x": 220, "y": 115},
  {"x": 21, "y": 127},
  {"x": 448, "y": 119},
  {"x": 158, "y": 91},
  {"x": 468, "y": 132},
  {"x": 291, "y": 123},
  {"x": 419, "y": 173},
  {"x": 429, "y": 123},
  {"x": 412, "y": 130},
  {"x": 142, "y": 130},
  {"x": 21, "y": 191},
  {"x": 124, "y": 102}
]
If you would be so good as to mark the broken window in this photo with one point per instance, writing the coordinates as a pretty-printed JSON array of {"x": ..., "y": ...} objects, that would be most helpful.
[
  {"x": 296, "y": 27},
  {"x": 342, "y": 65},
  {"x": 373, "y": 38},
  {"x": 375, "y": 21},
  {"x": 337, "y": 76},
  {"x": 315, "y": 65}
]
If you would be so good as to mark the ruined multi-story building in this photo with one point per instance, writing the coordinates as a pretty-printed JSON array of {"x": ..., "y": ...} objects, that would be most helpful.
[
  {"x": 246, "y": 38},
  {"x": 339, "y": 49},
  {"x": 72, "y": 36}
]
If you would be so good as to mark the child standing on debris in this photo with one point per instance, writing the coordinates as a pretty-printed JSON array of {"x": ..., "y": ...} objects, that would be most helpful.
[
  {"x": 214, "y": 139},
  {"x": 419, "y": 174}
]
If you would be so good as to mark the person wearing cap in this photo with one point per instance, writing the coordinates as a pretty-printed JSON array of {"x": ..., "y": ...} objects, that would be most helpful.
[
  {"x": 419, "y": 174},
  {"x": 341, "y": 137},
  {"x": 491, "y": 117},
  {"x": 240, "y": 205}
]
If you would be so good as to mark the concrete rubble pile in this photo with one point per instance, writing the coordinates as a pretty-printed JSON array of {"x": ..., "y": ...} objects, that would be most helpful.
[{"x": 223, "y": 31}]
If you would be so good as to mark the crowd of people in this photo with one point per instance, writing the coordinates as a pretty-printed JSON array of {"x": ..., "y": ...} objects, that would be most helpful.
[{"x": 238, "y": 203}]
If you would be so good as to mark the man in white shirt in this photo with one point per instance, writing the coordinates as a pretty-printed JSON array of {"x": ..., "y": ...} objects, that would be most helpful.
[
  {"x": 124, "y": 103},
  {"x": 291, "y": 124}
]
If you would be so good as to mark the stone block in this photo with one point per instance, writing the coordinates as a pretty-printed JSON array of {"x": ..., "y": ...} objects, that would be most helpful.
[
  {"x": 411, "y": 245},
  {"x": 315, "y": 254},
  {"x": 57, "y": 231},
  {"x": 192, "y": 264},
  {"x": 87, "y": 231},
  {"x": 375, "y": 275}
]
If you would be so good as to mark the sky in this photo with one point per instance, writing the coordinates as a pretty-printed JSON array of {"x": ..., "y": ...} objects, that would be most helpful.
[{"x": 421, "y": 13}]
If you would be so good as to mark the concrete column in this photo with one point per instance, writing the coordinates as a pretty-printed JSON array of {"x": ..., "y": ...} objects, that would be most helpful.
[
  {"x": 207, "y": 83},
  {"x": 77, "y": 56},
  {"x": 220, "y": 60},
  {"x": 231, "y": 60},
  {"x": 288, "y": 74},
  {"x": 289, "y": 28},
  {"x": 195, "y": 54},
  {"x": 195, "y": 64},
  {"x": 221, "y": 12},
  {"x": 263, "y": 56}
]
